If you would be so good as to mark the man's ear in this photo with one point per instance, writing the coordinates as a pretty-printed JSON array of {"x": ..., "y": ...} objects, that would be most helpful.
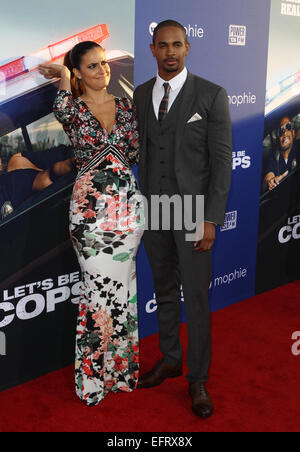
[
  {"x": 152, "y": 48},
  {"x": 187, "y": 47}
]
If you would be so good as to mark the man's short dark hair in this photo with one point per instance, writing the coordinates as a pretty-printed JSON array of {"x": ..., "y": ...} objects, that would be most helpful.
[{"x": 168, "y": 23}]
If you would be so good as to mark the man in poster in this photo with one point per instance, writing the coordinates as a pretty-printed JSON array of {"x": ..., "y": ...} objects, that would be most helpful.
[
  {"x": 185, "y": 138},
  {"x": 284, "y": 160}
]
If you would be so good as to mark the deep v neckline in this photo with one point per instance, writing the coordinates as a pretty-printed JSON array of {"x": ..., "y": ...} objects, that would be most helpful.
[{"x": 108, "y": 133}]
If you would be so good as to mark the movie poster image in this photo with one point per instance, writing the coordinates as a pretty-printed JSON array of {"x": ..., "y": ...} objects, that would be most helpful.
[
  {"x": 279, "y": 226},
  {"x": 30, "y": 137},
  {"x": 39, "y": 272}
]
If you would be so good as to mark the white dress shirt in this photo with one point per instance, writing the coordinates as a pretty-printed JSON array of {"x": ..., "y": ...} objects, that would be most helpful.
[{"x": 158, "y": 93}]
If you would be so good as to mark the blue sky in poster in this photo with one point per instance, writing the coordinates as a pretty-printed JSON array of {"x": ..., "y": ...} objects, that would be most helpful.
[{"x": 27, "y": 26}]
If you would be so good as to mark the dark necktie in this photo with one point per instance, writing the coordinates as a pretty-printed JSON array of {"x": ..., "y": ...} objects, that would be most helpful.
[{"x": 163, "y": 108}]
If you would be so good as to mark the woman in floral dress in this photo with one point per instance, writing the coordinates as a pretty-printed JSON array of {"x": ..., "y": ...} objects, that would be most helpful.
[{"x": 105, "y": 221}]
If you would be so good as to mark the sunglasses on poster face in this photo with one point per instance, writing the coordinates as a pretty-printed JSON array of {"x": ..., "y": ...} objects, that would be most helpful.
[{"x": 287, "y": 126}]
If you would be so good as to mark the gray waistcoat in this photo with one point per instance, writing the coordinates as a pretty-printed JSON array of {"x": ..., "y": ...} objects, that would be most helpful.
[{"x": 160, "y": 151}]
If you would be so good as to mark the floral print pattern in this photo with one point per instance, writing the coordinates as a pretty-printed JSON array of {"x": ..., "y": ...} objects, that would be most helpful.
[{"x": 106, "y": 226}]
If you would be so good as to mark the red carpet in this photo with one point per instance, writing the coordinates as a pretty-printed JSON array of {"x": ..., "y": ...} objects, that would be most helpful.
[{"x": 254, "y": 382}]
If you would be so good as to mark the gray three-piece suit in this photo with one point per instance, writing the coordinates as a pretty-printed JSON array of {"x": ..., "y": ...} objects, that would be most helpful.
[{"x": 187, "y": 158}]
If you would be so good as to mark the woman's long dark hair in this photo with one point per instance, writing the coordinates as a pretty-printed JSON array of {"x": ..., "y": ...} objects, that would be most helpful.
[{"x": 73, "y": 60}]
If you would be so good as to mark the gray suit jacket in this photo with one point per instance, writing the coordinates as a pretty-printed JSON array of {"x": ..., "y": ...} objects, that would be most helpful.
[{"x": 203, "y": 152}]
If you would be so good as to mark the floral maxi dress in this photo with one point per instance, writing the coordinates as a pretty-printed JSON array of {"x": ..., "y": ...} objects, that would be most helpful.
[{"x": 106, "y": 228}]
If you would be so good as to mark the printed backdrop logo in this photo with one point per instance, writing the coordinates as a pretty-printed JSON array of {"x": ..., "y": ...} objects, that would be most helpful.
[
  {"x": 288, "y": 8},
  {"x": 192, "y": 31},
  {"x": 151, "y": 305},
  {"x": 242, "y": 99},
  {"x": 54, "y": 291},
  {"x": 228, "y": 278},
  {"x": 241, "y": 159},
  {"x": 290, "y": 231},
  {"x": 152, "y": 27},
  {"x": 230, "y": 221},
  {"x": 237, "y": 35}
]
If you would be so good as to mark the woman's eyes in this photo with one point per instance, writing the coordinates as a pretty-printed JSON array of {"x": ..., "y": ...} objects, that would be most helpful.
[{"x": 94, "y": 65}]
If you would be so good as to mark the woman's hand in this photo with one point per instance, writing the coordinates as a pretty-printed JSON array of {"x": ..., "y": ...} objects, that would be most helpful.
[{"x": 50, "y": 71}]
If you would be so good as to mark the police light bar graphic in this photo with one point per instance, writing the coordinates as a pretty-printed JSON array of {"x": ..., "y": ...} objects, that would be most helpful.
[
  {"x": 52, "y": 52},
  {"x": 282, "y": 92}
]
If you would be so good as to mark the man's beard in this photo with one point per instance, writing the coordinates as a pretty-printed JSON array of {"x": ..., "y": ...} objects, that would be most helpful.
[{"x": 171, "y": 69}]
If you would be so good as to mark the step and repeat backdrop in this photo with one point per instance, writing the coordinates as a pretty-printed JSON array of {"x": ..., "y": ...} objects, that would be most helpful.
[
  {"x": 229, "y": 46},
  {"x": 249, "y": 48}
]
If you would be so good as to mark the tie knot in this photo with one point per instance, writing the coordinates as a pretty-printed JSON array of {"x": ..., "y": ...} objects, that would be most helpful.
[{"x": 167, "y": 87}]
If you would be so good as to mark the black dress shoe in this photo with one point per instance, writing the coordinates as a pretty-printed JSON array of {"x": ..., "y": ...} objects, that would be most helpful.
[
  {"x": 201, "y": 404},
  {"x": 158, "y": 374}
]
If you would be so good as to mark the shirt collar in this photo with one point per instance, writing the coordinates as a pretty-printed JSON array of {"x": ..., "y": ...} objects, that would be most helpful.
[{"x": 175, "y": 82}]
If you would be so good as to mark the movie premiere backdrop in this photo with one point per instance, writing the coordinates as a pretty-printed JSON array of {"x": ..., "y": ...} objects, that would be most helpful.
[
  {"x": 229, "y": 46},
  {"x": 39, "y": 274}
]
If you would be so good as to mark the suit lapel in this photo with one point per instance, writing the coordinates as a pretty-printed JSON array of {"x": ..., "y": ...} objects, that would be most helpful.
[
  {"x": 147, "y": 99},
  {"x": 185, "y": 108}
]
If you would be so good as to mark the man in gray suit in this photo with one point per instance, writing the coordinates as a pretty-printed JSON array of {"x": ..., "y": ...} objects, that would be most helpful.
[{"x": 185, "y": 149}]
